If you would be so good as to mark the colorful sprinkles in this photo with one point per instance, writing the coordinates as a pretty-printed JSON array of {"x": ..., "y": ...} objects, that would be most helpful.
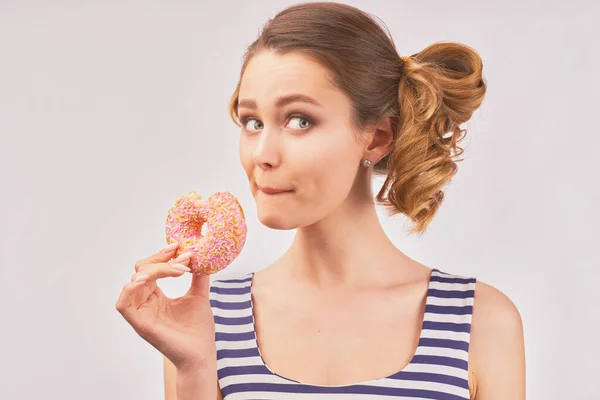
[{"x": 225, "y": 230}]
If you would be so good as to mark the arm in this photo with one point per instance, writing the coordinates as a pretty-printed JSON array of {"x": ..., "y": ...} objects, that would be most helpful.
[
  {"x": 170, "y": 374},
  {"x": 175, "y": 384},
  {"x": 497, "y": 353}
]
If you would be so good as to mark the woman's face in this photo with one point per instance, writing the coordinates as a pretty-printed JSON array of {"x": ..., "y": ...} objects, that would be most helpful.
[{"x": 297, "y": 144}]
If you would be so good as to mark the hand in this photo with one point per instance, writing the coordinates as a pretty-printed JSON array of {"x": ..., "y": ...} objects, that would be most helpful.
[{"x": 182, "y": 329}]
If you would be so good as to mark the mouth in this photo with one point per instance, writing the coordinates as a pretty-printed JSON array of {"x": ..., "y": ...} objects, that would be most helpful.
[{"x": 272, "y": 191}]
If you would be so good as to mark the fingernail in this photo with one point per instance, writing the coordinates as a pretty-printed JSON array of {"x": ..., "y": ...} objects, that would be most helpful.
[
  {"x": 184, "y": 256},
  {"x": 141, "y": 278},
  {"x": 170, "y": 247},
  {"x": 180, "y": 267}
]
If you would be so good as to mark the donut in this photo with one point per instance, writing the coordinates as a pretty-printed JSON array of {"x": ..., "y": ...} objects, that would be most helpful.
[{"x": 225, "y": 230}]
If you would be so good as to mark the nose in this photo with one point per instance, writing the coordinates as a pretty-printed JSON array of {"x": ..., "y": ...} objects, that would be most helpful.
[{"x": 267, "y": 154}]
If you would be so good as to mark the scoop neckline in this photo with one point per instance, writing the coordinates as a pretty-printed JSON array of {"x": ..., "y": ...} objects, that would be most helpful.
[{"x": 369, "y": 382}]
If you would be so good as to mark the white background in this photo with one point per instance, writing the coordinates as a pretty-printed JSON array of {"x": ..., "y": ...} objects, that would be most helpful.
[{"x": 111, "y": 110}]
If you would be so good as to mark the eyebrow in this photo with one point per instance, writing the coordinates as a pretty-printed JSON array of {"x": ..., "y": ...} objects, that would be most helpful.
[{"x": 282, "y": 101}]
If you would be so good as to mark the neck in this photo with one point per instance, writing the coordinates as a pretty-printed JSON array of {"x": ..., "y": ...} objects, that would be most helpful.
[{"x": 348, "y": 248}]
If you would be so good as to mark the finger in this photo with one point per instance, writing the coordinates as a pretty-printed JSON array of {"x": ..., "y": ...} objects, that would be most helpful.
[
  {"x": 182, "y": 259},
  {"x": 129, "y": 306},
  {"x": 126, "y": 303},
  {"x": 199, "y": 286},
  {"x": 162, "y": 270},
  {"x": 162, "y": 256}
]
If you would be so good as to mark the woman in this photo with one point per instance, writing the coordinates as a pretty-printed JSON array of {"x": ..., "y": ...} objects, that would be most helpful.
[{"x": 324, "y": 101}]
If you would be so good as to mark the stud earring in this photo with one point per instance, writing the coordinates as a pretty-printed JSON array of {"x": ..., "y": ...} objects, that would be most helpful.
[{"x": 366, "y": 162}]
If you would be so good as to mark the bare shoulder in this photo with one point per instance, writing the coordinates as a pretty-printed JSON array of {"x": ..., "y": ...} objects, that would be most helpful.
[
  {"x": 496, "y": 355},
  {"x": 494, "y": 311}
]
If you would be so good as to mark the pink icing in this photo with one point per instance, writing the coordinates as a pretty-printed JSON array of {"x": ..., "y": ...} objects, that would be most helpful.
[{"x": 225, "y": 230}]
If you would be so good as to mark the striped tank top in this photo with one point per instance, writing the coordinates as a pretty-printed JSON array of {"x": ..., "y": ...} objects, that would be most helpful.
[{"x": 438, "y": 369}]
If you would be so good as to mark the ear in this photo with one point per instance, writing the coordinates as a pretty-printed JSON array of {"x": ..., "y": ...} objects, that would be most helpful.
[{"x": 382, "y": 139}]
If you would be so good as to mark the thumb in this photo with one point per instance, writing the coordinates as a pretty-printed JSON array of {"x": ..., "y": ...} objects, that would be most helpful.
[{"x": 199, "y": 286}]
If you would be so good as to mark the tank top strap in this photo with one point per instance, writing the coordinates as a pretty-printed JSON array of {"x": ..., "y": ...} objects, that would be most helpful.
[
  {"x": 230, "y": 301},
  {"x": 445, "y": 334},
  {"x": 231, "y": 304},
  {"x": 450, "y": 299}
]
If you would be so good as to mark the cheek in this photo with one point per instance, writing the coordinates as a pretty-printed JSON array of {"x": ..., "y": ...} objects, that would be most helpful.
[
  {"x": 330, "y": 167},
  {"x": 246, "y": 152}
]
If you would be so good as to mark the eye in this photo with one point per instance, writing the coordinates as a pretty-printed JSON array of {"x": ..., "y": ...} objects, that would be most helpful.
[
  {"x": 298, "y": 122},
  {"x": 253, "y": 125},
  {"x": 303, "y": 122}
]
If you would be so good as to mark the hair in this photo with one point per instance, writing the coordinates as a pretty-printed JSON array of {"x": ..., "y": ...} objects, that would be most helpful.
[{"x": 429, "y": 95}]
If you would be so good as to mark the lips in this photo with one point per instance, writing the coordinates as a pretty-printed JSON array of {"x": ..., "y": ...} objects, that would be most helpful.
[{"x": 270, "y": 190}]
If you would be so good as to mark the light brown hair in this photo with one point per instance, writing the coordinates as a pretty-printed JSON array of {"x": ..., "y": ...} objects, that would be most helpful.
[{"x": 432, "y": 93}]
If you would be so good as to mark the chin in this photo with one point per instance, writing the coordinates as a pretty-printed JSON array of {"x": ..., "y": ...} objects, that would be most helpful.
[
  {"x": 277, "y": 212},
  {"x": 276, "y": 220}
]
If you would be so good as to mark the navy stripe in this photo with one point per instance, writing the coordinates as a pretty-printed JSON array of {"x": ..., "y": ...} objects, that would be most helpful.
[
  {"x": 234, "y": 337},
  {"x": 243, "y": 370},
  {"x": 437, "y": 278},
  {"x": 431, "y": 377},
  {"x": 440, "y": 360},
  {"x": 455, "y": 310},
  {"x": 233, "y": 320},
  {"x": 230, "y": 290},
  {"x": 226, "y": 305},
  {"x": 451, "y": 294},
  {"x": 244, "y": 280},
  {"x": 444, "y": 343},
  {"x": 446, "y": 326},
  {"x": 355, "y": 389},
  {"x": 237, "y": 353}
]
